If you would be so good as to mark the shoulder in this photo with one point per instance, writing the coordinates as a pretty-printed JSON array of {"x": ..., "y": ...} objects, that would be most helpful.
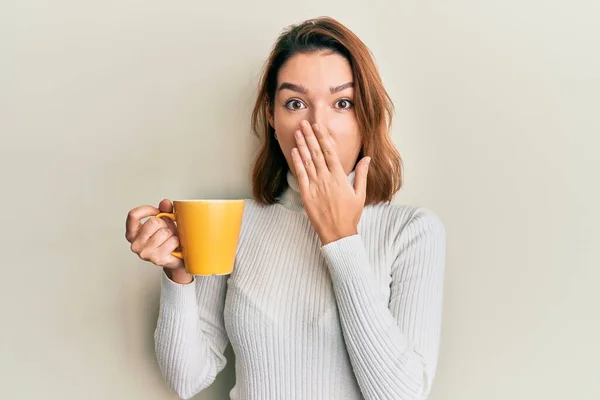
[
  {"x": 418, "y": 240},
  {"x": 252, "y": 206},
  {"x": 254, "y": 210},
  {"x": 400, "y": 216},
  {"x": 257, "y": 214},
  {"x": 423, "y": 218},
  {"x": 406, "y": 223}
]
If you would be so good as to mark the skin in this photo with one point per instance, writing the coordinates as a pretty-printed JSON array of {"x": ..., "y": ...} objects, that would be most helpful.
[
  {"x": 317, "y": 72},
  {"x": 313, "y": 115},
  {"x": 319, "y": 136},
  {"x": 155, "y": 239}
]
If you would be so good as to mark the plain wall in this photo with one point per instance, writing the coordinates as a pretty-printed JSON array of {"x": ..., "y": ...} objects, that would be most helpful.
[{"x": 108, "y": 105}]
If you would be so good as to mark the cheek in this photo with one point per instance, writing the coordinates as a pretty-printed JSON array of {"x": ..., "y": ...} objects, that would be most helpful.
[
  {"x": 344, "y": 133},
  {"x": 287, "y": 126},
  {"x": 347, "y": 142},
  {"x": 344, "y": 124},
  {"x": 287, "y": 123}
]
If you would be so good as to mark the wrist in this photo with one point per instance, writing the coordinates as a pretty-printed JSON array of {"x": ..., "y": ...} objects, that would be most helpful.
[
  {"x": 328, "y": 238},
  {"x": 179, "y": 275}
]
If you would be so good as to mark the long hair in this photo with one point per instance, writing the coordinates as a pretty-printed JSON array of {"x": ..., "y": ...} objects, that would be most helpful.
[{"x": 373, "y": 107}]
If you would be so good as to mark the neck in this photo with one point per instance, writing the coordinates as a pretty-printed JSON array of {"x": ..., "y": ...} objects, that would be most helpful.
[{"x": 291, "y": 197}]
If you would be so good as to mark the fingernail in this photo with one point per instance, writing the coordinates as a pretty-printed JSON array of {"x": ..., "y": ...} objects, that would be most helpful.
[
  {"x": 368, "y": 161},
  {"x": 316, "y": 127}
]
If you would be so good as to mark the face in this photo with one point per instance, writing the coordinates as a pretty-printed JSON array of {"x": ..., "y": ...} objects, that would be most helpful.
[{"x": 317, "y": 87}]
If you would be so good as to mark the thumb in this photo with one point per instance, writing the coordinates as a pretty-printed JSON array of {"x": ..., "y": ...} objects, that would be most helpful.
[
  {"x": 360, "y": 178},
  {"x": 166, "y": 206}
]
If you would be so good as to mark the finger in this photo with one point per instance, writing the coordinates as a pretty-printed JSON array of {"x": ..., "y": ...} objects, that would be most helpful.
[
  {"x": 160, "y": 254},
  {"x": 360, "y": 178},
  {"x": 305, "y": 156},
  {"x": 165, "y": 206},
  {"x": 171, "y": 224},
  {"x": 134, "y": 220},
  {"x": 329, "y": 154},
  {"x": 170, "y": 244},
  {"x": 164, "y": 256},
  {"x": 301, "y": 174},
  {"x": 148, "y": 229},
  {"x": 150, "y": 250},
  {"x": 315, "y": 148},
  {"x": 159, "y": 247}
]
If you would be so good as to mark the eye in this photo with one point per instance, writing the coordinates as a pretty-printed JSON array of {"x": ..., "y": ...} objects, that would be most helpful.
[
  {"x": 344, "y": 104},
  {"x": 294, "y": 105}
]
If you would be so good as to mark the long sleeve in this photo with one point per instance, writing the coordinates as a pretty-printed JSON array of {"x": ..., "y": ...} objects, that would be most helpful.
[
  {"x": 393, "y": 343},
  {"x": 190, "y": 336}
]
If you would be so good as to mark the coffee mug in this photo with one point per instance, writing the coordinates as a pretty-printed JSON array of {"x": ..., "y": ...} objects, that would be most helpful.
[{"x": 208, "y": 234}]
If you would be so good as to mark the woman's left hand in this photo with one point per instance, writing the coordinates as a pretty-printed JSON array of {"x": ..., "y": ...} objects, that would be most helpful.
[{"x": 333, "y": 205}]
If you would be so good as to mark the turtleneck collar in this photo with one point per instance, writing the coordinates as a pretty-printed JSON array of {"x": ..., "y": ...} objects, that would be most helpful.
[{"x": 291, "y": 198}]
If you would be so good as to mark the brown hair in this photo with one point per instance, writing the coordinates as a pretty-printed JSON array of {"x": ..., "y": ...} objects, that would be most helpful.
[{"x": 373, "y": 107}]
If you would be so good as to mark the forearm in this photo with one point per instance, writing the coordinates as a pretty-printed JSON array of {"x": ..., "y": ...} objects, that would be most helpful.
[
  {"x": 382, "y": 355},
  {"x": 188, "y": 360}
]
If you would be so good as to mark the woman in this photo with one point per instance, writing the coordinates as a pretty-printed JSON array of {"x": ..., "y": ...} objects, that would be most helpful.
[{"x": 336, "y": 293}]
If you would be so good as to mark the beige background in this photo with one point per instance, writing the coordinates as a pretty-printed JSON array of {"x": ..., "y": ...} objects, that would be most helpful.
[{"x": 108, "y": 105}]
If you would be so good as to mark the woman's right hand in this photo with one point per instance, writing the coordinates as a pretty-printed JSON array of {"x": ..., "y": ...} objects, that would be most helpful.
[{"x": 155, "y": 239}]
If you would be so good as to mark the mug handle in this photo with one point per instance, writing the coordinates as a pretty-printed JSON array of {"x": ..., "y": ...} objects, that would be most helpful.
[{"x": 171, "y": 216}]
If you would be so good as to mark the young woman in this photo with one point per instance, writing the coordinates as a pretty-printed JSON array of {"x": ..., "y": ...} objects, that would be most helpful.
[{"x": 336, "y": 293}]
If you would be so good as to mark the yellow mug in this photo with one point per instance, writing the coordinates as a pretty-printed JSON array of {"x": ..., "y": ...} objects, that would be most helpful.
[{"x": 208, "y": 234}]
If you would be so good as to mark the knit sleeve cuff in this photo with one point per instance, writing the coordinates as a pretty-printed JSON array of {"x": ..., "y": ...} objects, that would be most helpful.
[
  {"x": 347, "y": 257},
  {"x": 177, "y": 296}
]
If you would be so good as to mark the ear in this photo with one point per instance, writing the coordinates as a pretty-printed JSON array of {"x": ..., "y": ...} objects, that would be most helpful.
[{"x": 270, "y": 116}]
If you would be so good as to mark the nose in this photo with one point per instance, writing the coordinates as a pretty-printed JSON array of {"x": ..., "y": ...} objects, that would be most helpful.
[{"x": 317, "y": 115}]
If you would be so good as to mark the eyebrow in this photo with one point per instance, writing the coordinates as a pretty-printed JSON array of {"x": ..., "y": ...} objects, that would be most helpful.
[{"x": 303, "y": 90}]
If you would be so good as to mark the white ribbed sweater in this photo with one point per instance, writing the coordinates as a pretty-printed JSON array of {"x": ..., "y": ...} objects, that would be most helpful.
[{"x": 358, "y": 318}]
